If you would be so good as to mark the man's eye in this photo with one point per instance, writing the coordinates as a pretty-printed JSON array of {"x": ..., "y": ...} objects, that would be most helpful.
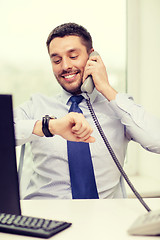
[
  {"x": 57, "y": 61},
  {"x": 74, "y": 57}
]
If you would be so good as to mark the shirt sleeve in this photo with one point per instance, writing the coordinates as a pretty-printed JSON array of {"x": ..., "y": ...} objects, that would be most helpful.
[
  {"x": 140, "y": 126},
  {"x": 24, "y": 123}
]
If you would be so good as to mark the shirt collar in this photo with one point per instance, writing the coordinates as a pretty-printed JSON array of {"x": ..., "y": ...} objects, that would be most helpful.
[{"x": 66, "y": 95}]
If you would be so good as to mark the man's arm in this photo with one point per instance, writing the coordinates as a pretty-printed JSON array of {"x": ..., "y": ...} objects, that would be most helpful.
[
  {"x": 139, "y": 125},
  {"x": 72, "y": 127}
]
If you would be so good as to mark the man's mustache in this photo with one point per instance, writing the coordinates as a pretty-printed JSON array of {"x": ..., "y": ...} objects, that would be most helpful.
[{"x": 69, "y": 71}]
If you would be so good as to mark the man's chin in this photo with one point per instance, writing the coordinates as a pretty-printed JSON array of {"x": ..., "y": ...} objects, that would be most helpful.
[
  {"x": 73, "y": 91},
  {"x": 72, "y": 87}
]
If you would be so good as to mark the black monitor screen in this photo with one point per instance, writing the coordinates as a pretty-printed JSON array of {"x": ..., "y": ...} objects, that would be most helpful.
[{"x": 9, "y": 188}]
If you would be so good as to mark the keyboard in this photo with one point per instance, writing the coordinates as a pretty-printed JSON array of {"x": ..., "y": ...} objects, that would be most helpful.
[{"x": 30, "y": 226}]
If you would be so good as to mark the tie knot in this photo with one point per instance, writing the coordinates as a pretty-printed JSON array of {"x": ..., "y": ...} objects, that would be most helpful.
[{"x": 76, "y": 99}]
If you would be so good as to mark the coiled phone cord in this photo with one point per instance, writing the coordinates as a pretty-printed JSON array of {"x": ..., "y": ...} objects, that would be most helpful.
[{"x": 113, "y": 154}]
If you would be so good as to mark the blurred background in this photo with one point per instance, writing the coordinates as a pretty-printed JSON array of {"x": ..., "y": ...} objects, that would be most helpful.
[
  {"x": 25, "y": 25},
  {"x": 126, "y": 33}
]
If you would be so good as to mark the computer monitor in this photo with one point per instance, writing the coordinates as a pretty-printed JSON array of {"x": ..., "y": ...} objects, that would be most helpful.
[{"x": 9, "y": 187}]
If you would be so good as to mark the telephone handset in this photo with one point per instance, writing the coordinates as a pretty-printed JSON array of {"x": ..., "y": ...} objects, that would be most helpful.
[
  {"x": 88, "y": 84},
  {"x": 144, "y": 225}
]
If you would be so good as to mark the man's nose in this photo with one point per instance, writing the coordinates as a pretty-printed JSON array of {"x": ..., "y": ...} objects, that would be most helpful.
[{"x": 66, "y": 64}]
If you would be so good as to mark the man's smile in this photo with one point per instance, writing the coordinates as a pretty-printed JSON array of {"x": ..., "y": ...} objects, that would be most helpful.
[{"x": 70, "y": 76}]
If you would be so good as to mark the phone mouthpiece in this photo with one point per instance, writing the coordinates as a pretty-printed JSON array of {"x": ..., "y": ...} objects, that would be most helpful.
[{"x": 88, "y": 85}]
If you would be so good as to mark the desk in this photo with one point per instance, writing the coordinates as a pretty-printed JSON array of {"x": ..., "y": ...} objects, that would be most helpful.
[{"x": 92, "y": 219}]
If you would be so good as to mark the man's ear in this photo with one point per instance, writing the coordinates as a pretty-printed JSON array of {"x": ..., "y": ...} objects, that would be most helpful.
[{"x": 92, "y": 50}]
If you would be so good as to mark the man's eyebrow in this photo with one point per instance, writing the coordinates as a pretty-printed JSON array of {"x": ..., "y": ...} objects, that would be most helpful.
[
  {"x": 53, "y": 55},
  {"x": 69, "y": 51},
  {"x": 74, "y": 50}
]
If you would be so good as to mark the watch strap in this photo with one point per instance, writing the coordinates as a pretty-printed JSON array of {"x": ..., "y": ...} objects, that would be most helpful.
[{"x": 45, "y": 125}]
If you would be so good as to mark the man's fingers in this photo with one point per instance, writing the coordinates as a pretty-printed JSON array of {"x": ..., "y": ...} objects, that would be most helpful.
[
  {"x": 80, "y": 130},
  {"x": 90, "y": 139},
  {"x": 83, "y": 135}
]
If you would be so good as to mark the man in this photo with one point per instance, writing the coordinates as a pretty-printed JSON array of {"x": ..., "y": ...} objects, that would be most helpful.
[{"x": 69, "y": 47}]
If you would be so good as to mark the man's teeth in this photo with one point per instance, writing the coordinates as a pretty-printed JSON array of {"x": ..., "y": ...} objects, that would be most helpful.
[{"x": 70, "y": 76}]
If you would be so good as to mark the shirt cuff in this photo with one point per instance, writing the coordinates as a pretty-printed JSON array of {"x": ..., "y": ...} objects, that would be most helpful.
[
  {"x": 124, "y": 107},
  {"x": 122, "y": 104}
]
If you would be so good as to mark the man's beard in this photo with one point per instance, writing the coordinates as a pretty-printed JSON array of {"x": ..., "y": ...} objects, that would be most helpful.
[
  {"x": 76, "y": 90},
  {"x": 73, "y": 91}
]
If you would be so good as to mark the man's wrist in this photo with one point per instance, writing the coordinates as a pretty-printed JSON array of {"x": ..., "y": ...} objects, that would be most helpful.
[
  {"x": 109, "y": 93},
  {"x": 53, "y": 125},
  {"x": 37, "y": 130}
]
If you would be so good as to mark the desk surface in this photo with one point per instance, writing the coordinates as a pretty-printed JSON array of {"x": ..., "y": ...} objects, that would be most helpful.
[{"x": 91, "y": 219}]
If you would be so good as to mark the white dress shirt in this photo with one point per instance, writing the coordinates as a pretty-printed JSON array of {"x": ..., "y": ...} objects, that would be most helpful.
[{"x": 121, "y": 120}]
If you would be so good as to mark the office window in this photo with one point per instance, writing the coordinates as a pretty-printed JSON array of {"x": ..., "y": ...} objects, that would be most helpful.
[{"x": 24, "y": 62}]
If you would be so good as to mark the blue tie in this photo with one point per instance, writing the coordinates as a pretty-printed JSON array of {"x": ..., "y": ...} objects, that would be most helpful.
[{"x": 80, "y": 163}]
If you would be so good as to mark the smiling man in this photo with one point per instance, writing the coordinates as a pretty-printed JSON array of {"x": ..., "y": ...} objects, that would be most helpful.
[
  {"x": 68, "y": 58},
  {"x": 69, "y": 46}
]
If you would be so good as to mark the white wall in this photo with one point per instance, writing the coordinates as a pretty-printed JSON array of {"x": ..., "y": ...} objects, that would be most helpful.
[
  {"x": 133, "y": 75},
  {"x": 150, "y": 74},
  {"x": 144, "y": 71}
]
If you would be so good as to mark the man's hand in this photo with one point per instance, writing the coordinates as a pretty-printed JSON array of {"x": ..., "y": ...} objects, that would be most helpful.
[
  {"x": 72, "y": 127},
  {"x": 97, "y": 69}
]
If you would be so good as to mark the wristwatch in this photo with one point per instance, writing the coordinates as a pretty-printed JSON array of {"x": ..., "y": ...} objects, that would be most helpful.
[{"x": 45, "y": 125}]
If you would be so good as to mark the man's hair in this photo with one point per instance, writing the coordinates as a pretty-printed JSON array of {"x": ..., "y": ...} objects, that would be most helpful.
[{"x": 68, "y": 29}]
